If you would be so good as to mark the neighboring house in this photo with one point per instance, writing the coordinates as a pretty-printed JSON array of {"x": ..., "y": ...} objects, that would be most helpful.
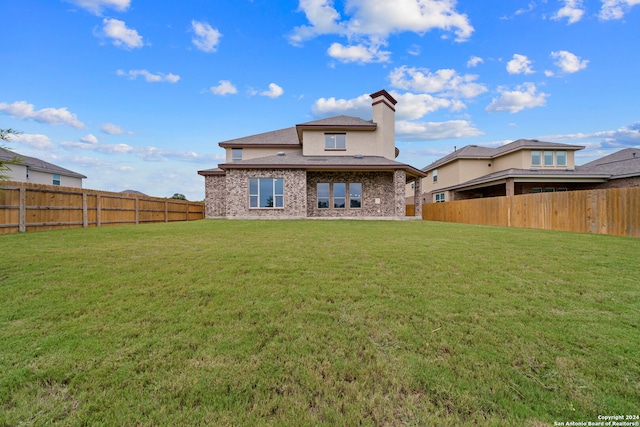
[
  {"x": 336, "y": 167},
  {"x": 623, "y": 168},
  {"x": 36, "y": 171},
  {"x": 520, "y": 167}
]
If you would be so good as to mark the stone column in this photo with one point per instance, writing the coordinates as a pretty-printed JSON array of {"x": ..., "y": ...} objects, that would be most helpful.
[
  {"x": 510, "y": 187},
  {"x": 417, "y": 197}
]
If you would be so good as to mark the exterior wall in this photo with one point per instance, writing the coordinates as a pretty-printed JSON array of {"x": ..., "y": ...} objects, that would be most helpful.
[
  {"x": 384, "y": 117},
  {"x": 388, "y": 187},
  {"x": 357, "y": 142},
  {"x": 520, "y": 159},
  {"x": 237, "y": 190},
  {"x": 19, "y": 173},
  {"x": 215, "y": 189},
  {"x": 254, "y": 153},
  {"x": 469, "y": 169},
  {"x": 620, "y": 183}
]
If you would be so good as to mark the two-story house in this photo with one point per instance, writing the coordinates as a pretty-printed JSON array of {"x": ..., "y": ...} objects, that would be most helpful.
[
  {"x": 335, "y": 167},
  {"x": 36, "y": 171},
  {"x": 520, "y": 167}
]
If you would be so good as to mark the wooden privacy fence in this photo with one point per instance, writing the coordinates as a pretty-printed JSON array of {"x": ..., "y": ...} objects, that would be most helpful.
[
  {"x": 614, "y": 211},
  {"x": 32, "y": 207}
]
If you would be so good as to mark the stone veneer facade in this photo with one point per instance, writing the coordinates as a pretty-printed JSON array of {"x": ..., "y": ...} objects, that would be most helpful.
[
  {"x": 383, "y": 186},
  {"x": 228, "y": 195},
  {"x": 237, "y": 190}
]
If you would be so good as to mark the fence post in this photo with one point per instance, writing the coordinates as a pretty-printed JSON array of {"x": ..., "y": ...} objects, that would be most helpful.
[
  {"x": 22, "y": 221},
  {"x": 98, "y": 210},
  {"x": 187, "y": 218},
  {"x": 137, "y": 211},
  {"x": 166, "y": 211},
  {"x": 85, "y": 213}
]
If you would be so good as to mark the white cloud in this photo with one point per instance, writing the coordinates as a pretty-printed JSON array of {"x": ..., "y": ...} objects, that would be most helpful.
[
  {"x": 52, "y": 116},
  {"x": 38, "y": 141},
  {"x": 446, "y": 81},
  {"x": 96, "y": 6},
  {"x": 572, "y": 10},
  {"x": 89, "y": 139},
  {"x": 616, "y": 9},
  {"x": 360, "y": 106},
  {"x": 568, "y": 62},
  {"x": 474, "y": 61},
  {"x": 121, "y": 35},
  {"x": 207, "y": 38},
  {"x": 149, "y": 77},
  {"x": 111, "y": 129},
  {"x": 520, "y": 64},
  {"x": 358, "y": 53},
  {"x": 407, "y": 131},
  {"x": 225, "y": 87},
  {"x": 274, "y": 91},
  {"x": 513, "y": 101},
  {"x": 370, "y": 23},
  {"x": 624, "y": 136}
]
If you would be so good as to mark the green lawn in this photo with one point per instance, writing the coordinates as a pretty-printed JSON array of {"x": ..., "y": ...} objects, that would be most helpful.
[{"x": 317, "y": 323}]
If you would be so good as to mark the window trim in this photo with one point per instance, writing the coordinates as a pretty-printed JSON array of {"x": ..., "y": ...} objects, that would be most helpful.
[
  {"x": 331, "y": 198},
  {"x": 435, "y": 175},
  {"x": 565, "y": 158},
  {"x": 551, "y": 157},
  {"x": 235, "y": 151},
  {"x": 534, "y": 154},
  {"x": 333, "y": 137},
  {"x": 57, "y": 180},
  {"x": 274, "y": 193},
  {"x": 438, "y": 196}
]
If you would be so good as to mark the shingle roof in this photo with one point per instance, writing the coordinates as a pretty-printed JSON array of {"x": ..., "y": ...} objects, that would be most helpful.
[
  {"x": 341, "y": 121},
  {"x": 37, "y": 164},
  {"x": 531, "y": 173},
  {"x": 282, "y": 137},
  {"x": 621, "y": 164},
  {"x": 296, "y": 160},
  {"x": 478, "y": 152}
]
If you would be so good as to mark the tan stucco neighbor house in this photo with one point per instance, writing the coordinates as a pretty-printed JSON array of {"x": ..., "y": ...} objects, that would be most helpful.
[
  {"x": 36, "y": 171},
  {"x": 335, "y": 167},
  {"x": 521, "y": 167}
]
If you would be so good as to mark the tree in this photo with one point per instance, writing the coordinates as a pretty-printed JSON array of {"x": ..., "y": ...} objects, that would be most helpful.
[
  {"x": 5, "y": 134},
  {"x": 179, "y": 196}
]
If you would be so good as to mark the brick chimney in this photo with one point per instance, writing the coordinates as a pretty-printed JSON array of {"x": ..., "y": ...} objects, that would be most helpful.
[{"x": 384, "y": 112}]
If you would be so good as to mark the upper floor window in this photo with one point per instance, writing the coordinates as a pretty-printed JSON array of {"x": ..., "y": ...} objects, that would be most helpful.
[
  {"x": 27, "y": 171},
  {"x": 536, "y": 158},
  {"x": 236, "y": 154},
  {"x": 548, "y": 158},
  {"x": 561, "y": 158},
  {"x": 56, "y": 179},
  {"x": 335, "y": 141},
  {"x": 435, "y": 175}
]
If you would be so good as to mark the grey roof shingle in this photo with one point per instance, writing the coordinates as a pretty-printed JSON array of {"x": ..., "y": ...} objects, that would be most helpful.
[
  {"x": 621, "y": 164},
  {"x": 478, "y": 152},
  {"x": 341, "y": 121},
  {"x": 37, "y": 164},
  {"x": 296, "y": 160},
  {"x": 282, "y": 137}
]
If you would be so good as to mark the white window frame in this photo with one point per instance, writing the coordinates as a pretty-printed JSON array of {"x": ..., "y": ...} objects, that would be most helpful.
[
  {"x": 435, "y": 175},
  {"x": 335, "y": 141},
  {"x": 565, "y": 158},
  {"x": 548, "y": 155},
  {"x": 536, "y": 155},
  {"x": 234, "y": 154},
  {"x": 440, "y": 197},
  {"x": 329, "y": 202},
  {"x": 255, "y": 196},
  {"x": 56, "y": 179}
]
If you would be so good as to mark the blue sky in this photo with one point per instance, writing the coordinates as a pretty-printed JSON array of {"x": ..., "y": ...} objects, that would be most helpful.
[{"x": 136, "y": 94}]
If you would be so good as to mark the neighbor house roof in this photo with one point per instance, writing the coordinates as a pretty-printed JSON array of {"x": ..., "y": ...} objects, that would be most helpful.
[
  {"x": 37, "y": 164},
  {"x": 530, "y": 175},
  {"x": 296, "y": 160},
  {"x": 479, "y": 152},
  {"x": 621, "y": 164}
]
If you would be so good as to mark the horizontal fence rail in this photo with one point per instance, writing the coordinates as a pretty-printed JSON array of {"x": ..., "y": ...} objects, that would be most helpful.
[
  {"x": 33, "y": 207},
  {"x": 614, "y": 211}
]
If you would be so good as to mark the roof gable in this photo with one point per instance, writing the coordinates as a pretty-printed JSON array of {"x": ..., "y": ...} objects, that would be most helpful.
[{"x": 37, "y": 164}]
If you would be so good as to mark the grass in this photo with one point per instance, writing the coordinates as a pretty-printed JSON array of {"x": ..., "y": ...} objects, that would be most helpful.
[{"x": 317, "y": 323}]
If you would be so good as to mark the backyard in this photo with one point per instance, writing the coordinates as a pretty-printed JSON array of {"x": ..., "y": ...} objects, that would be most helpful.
[{"x": 317, "y": 323}]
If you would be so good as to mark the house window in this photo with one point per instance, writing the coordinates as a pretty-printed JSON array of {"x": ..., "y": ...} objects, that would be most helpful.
[
  {"x": 335, "y": 141},
  {"x": 561, "y": 158},
  {"x": 548, "y": 158},
  {"x": 27, "y": 171},
  {"x": 439, "y": 197},
  {"x": 340, "y": 191},
  {"x": 323, "y": 195},
  {"x": 435, "y": 175},
  {"x": 56, "y": 179},
  {"x": 536, "y": 159},
  {"x": 266, "y": 193},
  {"x": 549, "y": 190},
  {"x": 536, "y": 190},
  {"x": 236, "y": 154},
  {"x": 355, "y": 195}
]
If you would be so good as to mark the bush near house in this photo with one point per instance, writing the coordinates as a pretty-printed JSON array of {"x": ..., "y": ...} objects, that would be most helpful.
[{"x": 317, "y": 323}]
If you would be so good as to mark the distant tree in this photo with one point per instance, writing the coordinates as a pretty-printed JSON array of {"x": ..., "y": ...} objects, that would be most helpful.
[
  {"x": 179, "y": 196},
  {"x": 5, "y": 134}
]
